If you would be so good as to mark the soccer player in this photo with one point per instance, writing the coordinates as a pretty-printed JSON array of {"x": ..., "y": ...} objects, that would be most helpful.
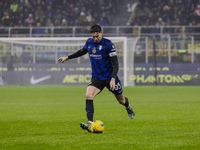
[{"x": 104, "y": 63}]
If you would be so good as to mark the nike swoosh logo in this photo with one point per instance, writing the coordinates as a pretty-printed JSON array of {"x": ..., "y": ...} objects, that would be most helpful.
[{"x": 35, "y": 81}]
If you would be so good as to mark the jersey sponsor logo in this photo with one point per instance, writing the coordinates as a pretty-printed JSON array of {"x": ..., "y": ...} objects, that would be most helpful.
[
  {"x": 36, "y": 81},
  {"x": 96, "y": 56},
  {"x": 113, "y": 54}
]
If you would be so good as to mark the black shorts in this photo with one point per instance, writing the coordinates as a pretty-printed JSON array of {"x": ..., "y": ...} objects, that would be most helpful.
[{"x": 100, "y": 84}]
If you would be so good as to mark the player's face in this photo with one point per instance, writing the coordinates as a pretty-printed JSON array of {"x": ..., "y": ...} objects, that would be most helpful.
[{"x": 97, "y": 36}]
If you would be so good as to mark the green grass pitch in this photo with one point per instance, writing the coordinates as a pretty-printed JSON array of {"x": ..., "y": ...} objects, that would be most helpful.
[{"x": 47, "y": 118}]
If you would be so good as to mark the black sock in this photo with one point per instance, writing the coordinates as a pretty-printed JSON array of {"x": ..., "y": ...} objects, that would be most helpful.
[
  {"x": 126, "y": 103},
  {"x": 89, "y": 109}
]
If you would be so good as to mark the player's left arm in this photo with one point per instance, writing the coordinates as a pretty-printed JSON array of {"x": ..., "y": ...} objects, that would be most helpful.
[
  {"x": 115, "y": 66},
  {"x": 114, "y": 73},
  {"x": 113, "y": 57}
]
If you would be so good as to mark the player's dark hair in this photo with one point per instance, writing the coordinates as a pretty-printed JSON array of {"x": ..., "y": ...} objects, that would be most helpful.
[{"x": 95, "y": 28}]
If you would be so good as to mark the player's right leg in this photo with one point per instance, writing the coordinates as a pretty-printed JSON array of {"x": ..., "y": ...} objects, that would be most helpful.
[
  {"x": 86, "y": 126},
  {"x": 91, "y": 92},
  {"x": 90, "y": 95}
]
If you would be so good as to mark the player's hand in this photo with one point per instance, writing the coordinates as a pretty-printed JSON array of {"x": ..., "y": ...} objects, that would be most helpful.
[
  {"x": 63, "y": 59},
  {"x": 112, "y": 84}
]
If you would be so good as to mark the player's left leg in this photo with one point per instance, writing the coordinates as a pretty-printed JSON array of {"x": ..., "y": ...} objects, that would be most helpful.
[
  {"x": 124, "y": 101},
  {"x": 118, "y": 92}
]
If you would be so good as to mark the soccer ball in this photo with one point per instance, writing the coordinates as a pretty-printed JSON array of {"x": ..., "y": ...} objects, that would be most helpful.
[{"x": 97, "y": 127}]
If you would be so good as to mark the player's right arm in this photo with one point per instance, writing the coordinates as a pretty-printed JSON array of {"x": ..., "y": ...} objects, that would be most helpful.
[
  {"x": 79, "y": 53},
  {"x": 63, "y": 59}
]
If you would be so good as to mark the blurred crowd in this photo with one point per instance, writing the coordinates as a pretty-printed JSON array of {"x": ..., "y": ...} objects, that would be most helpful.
[
  {"x": 162, "y": 14},
  {"x": 167, "y": 17},
  {"x": 26, "y": 13},
  {"x": 166, "y": 12}
]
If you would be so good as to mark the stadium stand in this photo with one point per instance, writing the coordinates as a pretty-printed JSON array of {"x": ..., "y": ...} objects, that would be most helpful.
[
  {"x": 25, "y": 13},
  {"x": 16, "y": 13},
  {"x": 167, "y": 17},
  {"x": 166, "y": 30},
  {"x": 134, "y": 17},
  {"x": 172, "y": 12}
]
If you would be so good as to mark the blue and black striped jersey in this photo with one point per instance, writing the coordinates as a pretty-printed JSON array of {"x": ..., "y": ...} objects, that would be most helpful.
[{"x": 100, "y": 57}]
